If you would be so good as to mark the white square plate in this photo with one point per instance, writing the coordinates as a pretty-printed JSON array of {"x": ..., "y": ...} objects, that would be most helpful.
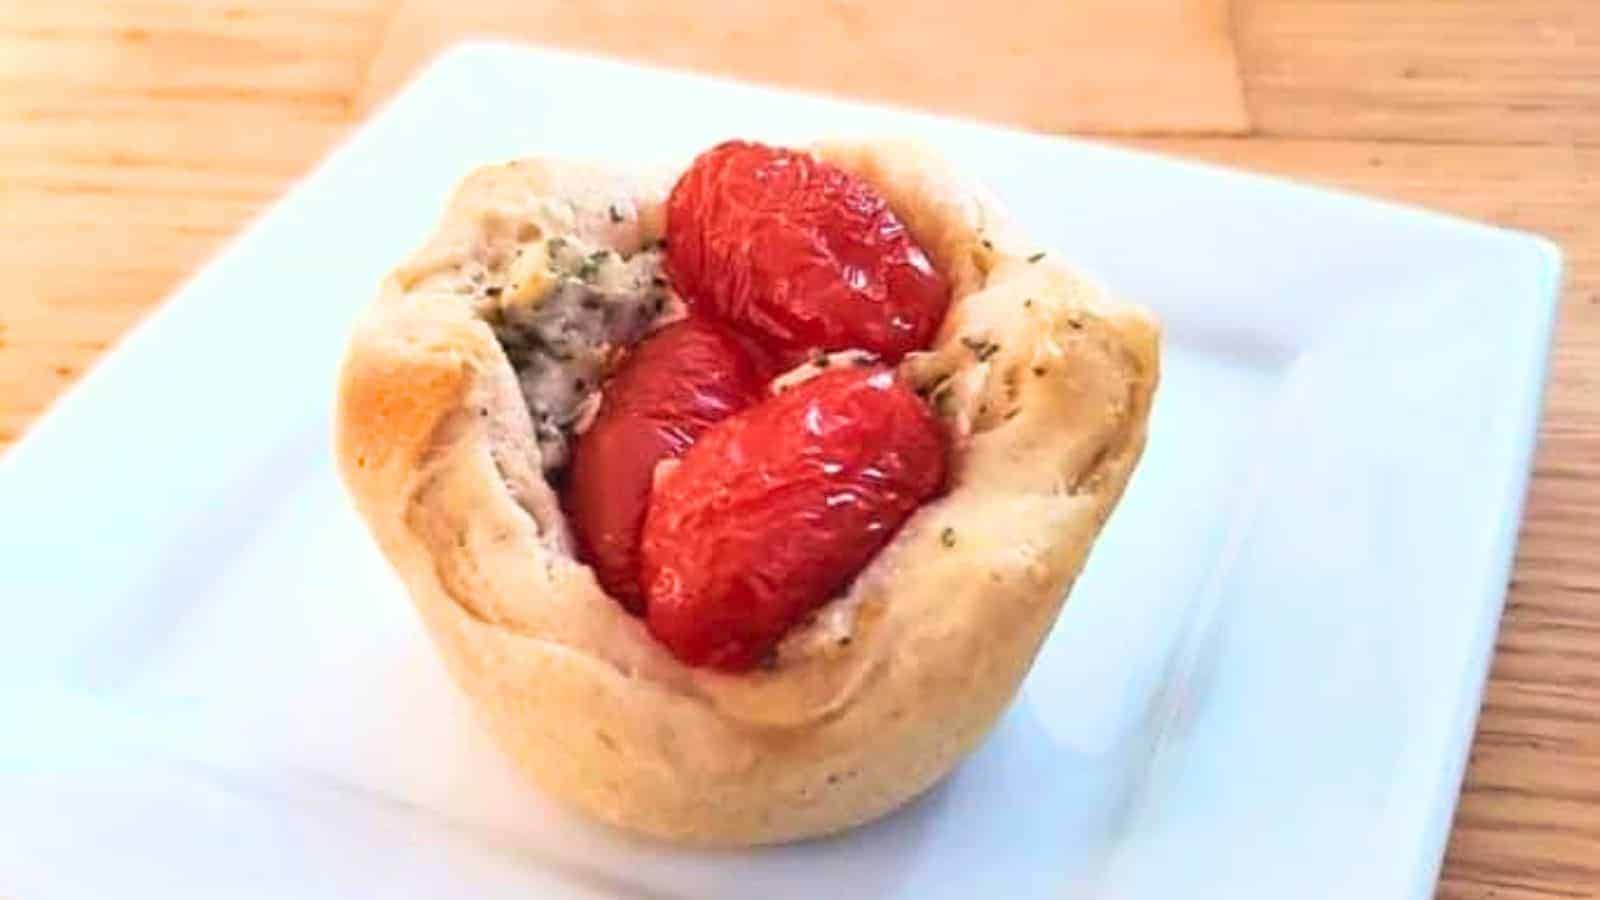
[{"x": 1264, "y": 685}]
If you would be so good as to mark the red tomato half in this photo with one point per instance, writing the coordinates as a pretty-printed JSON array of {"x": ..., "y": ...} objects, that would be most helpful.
[
  {"x": 799, "y": 253},
  {"x": 776, "y": 509},
  {"x": 673, "y": 386}
]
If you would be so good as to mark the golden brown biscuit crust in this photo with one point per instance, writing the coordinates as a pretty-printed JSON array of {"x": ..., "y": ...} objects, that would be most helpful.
[{"x": 1046, "y": 379}]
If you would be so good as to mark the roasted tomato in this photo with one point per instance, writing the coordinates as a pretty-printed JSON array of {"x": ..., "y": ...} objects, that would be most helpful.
[
  {"x": 776, "y": 509},
  {"x": 800, "y": 253},
  {"x": 673, "y": 386}
]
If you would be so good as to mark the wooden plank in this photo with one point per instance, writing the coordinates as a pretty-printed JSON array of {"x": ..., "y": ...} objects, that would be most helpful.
[
  {"x": 1489, "y": 71},
  {"x": 135, "y": 138},
  {"x": 1121, "y": 66}
]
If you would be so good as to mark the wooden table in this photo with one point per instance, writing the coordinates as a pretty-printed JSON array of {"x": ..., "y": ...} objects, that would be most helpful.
[{"x": 137, "y": 135}]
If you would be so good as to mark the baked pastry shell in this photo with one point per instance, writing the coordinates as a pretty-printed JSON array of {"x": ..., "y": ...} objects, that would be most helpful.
[{"x": 1044, "y": 378}]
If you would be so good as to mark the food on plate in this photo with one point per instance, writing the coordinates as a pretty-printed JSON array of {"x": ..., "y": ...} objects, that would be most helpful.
[{"x": 738, "y": 497}]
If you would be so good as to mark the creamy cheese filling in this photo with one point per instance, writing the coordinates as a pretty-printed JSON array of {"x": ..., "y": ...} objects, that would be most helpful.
[{"x": 564, "y": 312}]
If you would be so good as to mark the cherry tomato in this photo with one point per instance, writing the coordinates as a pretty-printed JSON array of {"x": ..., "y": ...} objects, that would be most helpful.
[
  {"x": 775, "y": 509},
  {"x": 673, "y": 386},
  {"x": 800, "y": 253}
]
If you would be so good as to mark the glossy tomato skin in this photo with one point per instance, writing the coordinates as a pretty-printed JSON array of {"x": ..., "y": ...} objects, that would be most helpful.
[
  {"x": 799, "y": 253},
  {"x": 776, "y": 509},
  {"x": 671, "y": 388}
]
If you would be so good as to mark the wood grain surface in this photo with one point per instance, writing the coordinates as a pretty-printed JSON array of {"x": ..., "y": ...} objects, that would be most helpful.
[
  {"x": 137, "y": 135},
  {"x": 1102, "y": 65}
]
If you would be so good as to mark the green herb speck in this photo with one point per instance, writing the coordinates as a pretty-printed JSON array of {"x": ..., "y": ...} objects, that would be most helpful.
[{"x": 982, "y": 349}]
